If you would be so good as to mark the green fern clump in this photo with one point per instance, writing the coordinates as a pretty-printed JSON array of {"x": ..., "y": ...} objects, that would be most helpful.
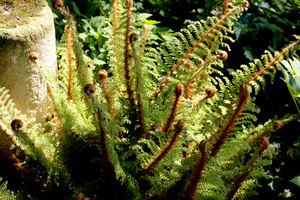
[{"x": 160, "y": 122}]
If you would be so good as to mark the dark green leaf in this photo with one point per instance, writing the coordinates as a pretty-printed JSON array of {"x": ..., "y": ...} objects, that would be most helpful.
[
  {"x": 151, "y": 22},
  {"x": 296, "y": 180}
]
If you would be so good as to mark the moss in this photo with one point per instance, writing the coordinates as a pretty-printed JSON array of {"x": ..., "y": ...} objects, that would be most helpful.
[{"x": 14, "y": 13}]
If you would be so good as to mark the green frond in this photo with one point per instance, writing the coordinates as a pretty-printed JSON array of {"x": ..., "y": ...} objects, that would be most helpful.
[
  {"x": 6, "y": 194},
  {"x": 115, "y": 136}
]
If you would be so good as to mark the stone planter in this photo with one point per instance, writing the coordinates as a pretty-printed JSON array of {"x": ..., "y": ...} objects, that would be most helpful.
[{"x": 26, "y": 28}]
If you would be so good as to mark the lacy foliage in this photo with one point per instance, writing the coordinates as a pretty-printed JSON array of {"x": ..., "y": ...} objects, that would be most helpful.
[{"x": 162, "y": 122}]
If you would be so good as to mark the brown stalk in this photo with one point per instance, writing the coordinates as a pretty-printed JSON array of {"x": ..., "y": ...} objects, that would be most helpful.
[
  {"x": 89, "y": 90},
  {"x": 187, "y": 92},
  {"x": 116, "y": 53},
  {"x": 196, "y": 176},
  {"x": 224, "y": 132},
  {"x": 106, "y": 158},
  {"x": 178, "y": 129},
  {"x": 53, "y": 109},
  {"x": 59, "y": 6},
  {"x": 225, "y": 7},
  {"x": 128, "y": 4},
  {"x": 140, "y": 110},
  {"x": 69, "y": 56},
  {"x": 102, "y": 74},
  {"x": 272, "y": 62},
  {"x": 178, "y": 93},
  {"x": 115, "y": 16}
]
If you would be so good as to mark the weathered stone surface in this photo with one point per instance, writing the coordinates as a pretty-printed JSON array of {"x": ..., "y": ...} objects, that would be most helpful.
[
  {"x": 27, "y": 27},
  {"x": 20, "y": 75}
]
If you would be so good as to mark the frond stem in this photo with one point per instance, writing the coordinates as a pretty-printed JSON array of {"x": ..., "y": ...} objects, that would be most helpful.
[
  {"x": 243, "y": 96},
  {"x": 178, "y": 130},
  {"x": 70, "y": 67},
  {"x": 126, "y": 51},
  {"x": 196, "y": 176},
  {"x": 139, "y": 86},
  {"x": 272, "y": 62},
  {"x": 106, "y": 158},
  {"x": 178, "y": 93}
]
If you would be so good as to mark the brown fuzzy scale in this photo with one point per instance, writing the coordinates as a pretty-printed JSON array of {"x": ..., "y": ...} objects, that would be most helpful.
[
  {"x": 225, "y": 7},
  {"x": 140, "y": 110},
  {"x": 68, "y": 30},
  {"x": 178, "y": 129},
  {"x": 276, "y": 125},
  {"x": 210, "y": 92},
  {"x": 178, "y": 93},
  {"x": 140, "y": 114},
  {"x": 128, "y": 4},
  {"x": 156, "y": 127},
  {"x": 89, "y": 89},
  {"x": 53, "y": 108},
  {"x": 223, "y": 55},
  {"x": 57, "y": 5},
  {"x": 16, "y": 163},
  {"x": 196, "y": 177},
  {"x": 34, "y": 56},
  {"x": 80, "y": 196},
  {"x": 106, "y": 158},
  {"x": 16, "y": 124},
  {"x": 90, "y": 64},
  {"x": 133, "y": 37},
  {"x": 102, "y": 74},
  {"x": 264, "y": 144},
  {"x": 225, "y": 130},
  {"x": 245, "y": 3}
]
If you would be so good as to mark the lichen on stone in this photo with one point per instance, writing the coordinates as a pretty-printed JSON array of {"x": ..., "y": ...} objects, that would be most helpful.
[{"x": 14, "y": 13}]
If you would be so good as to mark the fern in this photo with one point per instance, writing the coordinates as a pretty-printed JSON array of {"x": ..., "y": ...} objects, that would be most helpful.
[
  {"x": 4, "y": 193},
  {"x": 112, "y": 133}
]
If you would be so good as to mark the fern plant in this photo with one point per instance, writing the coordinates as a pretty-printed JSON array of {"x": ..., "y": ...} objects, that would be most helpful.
[{"x": 161, "y": 122}]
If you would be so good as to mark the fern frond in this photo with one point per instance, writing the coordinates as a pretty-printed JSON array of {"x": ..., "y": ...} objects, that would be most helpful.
[
  {"x": 205, "y": 36},
  {"x": 6, "y": 194},
  {"x": 178, "y": 130},
  {"x": 243, "y": 96},
  {"x": 270, "y": 61}
]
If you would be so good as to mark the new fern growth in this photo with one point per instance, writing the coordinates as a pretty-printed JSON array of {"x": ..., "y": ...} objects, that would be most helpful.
[{"x": 160, "y": 122}]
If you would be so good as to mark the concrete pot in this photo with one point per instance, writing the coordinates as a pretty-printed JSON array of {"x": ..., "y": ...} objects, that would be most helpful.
[{"x": 26, "y": 28}]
